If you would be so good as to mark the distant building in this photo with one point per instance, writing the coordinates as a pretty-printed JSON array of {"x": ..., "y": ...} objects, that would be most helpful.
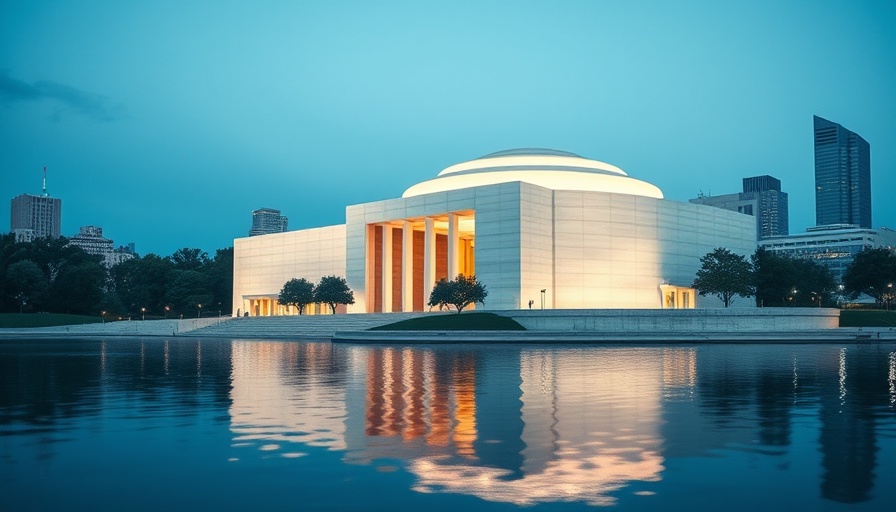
[
  {"x": 761, "y": 198},
  {"x": 266, "y": 221},
  {"x": 834, "y": 246},
  {"x": 41, "y": 215},
  {"x": 92, "y": 241},
  {"x": 842, "y": 176}
]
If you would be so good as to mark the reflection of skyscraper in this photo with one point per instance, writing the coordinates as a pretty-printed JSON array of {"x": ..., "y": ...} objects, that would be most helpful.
[
  {"x": 842, "y": 176},
  {"x": 848, "y": 439}
]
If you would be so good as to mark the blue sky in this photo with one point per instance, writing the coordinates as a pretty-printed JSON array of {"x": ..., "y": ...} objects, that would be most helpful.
[{"x": 167, "y": 123}]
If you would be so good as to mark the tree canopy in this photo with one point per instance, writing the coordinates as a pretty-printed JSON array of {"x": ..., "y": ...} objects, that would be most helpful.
[
  {"x": 725, "y": 275},
  {"x": 72, "y": 281},
  {"x": 460, "y": 293},
  {"x": 872, "y": 272},
  {"x": 334, "y": 291},
  {"x": 298, "y": 293}
]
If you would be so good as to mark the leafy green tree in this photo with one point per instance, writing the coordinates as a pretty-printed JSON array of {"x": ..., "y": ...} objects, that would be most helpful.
[
  {"x": 725, "y": 275},
  {"x": 298, "y": 293},
  {"x": 78, "y": 288},
  {"x": 334, "y": 291},
  {"x": 25, "y": 283},
  {"x": 189, "y": 259},
  {"x": 813, "y": 283},
  {"x": 785, "y": 281},
  {"x": 219, "y": 273},
  {"x": 143, "y": 282},
  {"x": 872, "y": 272},
  {"x": 187, "y": 290},
  {"x": 460, "y": 293}
]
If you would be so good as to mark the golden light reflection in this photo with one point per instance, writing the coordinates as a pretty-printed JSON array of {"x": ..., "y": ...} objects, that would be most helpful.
[
  {"x": 407, "y": 397},
  {"x": 591, "y": 427}
]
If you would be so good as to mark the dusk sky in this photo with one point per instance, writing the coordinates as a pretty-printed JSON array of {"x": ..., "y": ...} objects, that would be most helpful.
[{"x": 167, "y": 122}]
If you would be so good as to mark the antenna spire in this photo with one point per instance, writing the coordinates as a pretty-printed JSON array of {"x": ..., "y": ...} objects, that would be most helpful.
[{"x": 45, "y": 181}]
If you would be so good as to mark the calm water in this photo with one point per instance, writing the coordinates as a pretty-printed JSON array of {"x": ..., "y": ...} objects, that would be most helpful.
[{"x": 186, "y": 424}]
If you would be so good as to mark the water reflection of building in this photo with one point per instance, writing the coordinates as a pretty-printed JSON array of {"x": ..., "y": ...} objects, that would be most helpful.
[
  {"x": 588, "y": 426},
  {"x": 421, "y": 400},
  {"x": 287, "y": 393}
]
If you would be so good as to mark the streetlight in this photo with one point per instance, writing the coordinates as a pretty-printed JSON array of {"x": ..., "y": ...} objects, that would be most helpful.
[
  {"x": 889, "y": 294},
  {"x": 166, "y": 312},
  {"x": 104, "y": 316},
  {"x": 198, "y": 310},
  {"x": 143, "y": 313},
  {"x": 543, "y": 290}
]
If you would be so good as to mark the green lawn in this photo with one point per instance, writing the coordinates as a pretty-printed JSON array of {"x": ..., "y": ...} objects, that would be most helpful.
[
  {"x": 867, "y": 318},
  {"x": 452, "y": 322},
  {"x": 44, "y": 319}
]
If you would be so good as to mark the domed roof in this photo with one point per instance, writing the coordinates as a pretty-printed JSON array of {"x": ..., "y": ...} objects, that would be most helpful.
[{"x": 548, "y": 168}]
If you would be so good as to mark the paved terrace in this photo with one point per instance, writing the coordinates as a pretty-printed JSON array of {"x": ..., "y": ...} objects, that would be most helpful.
[
  {"x": 265, "y": 327},
  {"x": 809, "y": 325}
]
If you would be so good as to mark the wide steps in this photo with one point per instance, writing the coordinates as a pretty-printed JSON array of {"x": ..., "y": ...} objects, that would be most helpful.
[{"x": 299, "y": 325}]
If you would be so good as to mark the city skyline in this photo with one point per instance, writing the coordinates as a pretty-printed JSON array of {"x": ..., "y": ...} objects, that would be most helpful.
[{"x": 168, "y": 127}]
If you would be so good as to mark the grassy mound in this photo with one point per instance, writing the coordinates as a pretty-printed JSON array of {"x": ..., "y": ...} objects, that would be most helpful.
[
  {"x": 867, "y": 318},
  {"x": 462, "y": 322},
  {"x": 9, "y": 320}
]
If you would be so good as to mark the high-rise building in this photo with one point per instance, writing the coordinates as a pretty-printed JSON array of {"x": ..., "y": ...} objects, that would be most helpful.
[
  {"x": 761, "y": 198},
  {"x": 842, "y": 176},
  {"x": 35, "y": 216},
  {"x": 266, "y": 221},
  {"x": 42, "y": 215}
]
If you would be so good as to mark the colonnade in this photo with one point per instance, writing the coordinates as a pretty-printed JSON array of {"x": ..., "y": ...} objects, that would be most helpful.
[{"x": 396, "y": 266}]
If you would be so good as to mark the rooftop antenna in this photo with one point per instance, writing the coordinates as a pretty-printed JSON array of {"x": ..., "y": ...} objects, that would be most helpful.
[{"x": 45, "y": 182}]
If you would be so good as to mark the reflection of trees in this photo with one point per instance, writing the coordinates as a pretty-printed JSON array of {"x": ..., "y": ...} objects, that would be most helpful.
[
  {"x": 41, "y": 382},
  {"x": 848, "y": 384},
  {"x": 848, "y": 438},
  {"x": 45, "y": 381}
]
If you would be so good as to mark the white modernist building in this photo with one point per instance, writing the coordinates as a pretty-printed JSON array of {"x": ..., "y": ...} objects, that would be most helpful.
[{"x": 540, "y": 228}]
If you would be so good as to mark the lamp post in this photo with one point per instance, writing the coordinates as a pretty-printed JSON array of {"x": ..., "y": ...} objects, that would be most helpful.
[
  {"x": 198, "y": 310},
  {"x": 543, "y": 290},
  {"x": 143, "y": 313},
  {"x": 889, "y": 294},
  {"x": 166, "y": 312},
  {"x": 104, "y": 316}
]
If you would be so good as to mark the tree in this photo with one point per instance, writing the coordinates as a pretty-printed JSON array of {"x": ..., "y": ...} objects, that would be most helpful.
[
  {"x": 725, "y": 275},
  {"x": 78, "y": 289},
  {"x": 333, "y": 290},
  {"x": 25, "y": 283},
  {"x": 781, "y": 280},
  {"x": 772, "y": 278},
  {"x": 189, "y": 259},
  {"x": 872, "y": 272},
  {"x": 460, "y": 293},
  {"x": 187, "y": 290},
  {"x": 298, "y": 293}
]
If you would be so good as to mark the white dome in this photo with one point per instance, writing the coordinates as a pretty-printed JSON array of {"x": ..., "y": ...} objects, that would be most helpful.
[{"x": 548, "y": 168}]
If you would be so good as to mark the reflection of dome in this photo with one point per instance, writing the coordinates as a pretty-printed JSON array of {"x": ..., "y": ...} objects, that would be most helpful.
[{"x": 548, "y": 168}]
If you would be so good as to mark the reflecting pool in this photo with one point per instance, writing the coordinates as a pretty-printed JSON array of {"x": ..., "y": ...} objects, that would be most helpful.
[{"x": 189, "y": 424}]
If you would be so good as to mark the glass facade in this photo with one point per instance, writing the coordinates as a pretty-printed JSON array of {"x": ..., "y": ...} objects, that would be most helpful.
[{"x": 842, "y": 176}]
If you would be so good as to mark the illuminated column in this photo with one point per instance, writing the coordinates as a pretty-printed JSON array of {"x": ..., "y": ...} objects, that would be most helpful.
[
  {"x": 453, "y": 242},
  {"x": 407, "y": 267},
  {"x": 429, "y": 258},
  {"x": 387, "y": 268}
]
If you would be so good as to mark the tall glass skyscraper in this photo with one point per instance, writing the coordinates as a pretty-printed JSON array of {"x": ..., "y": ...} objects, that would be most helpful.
[{"x": 842, "y": 176}]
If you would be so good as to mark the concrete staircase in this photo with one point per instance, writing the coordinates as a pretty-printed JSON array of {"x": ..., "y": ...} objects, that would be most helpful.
[{"x": 304, "y": 326}]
